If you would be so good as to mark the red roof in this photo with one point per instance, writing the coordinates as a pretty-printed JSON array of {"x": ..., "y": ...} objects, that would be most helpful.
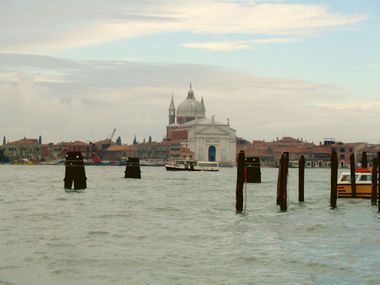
[{"x": 25, "y": 141}]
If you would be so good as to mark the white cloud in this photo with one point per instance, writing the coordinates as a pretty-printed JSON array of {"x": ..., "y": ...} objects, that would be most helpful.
[
  {"x": 48, "y": 26},
  {"x": 235, "y": 45},
  {"x": 87, "y": 100}
]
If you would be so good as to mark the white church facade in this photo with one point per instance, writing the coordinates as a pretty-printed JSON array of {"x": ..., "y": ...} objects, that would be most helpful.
[{"x": 209, "y": 139}]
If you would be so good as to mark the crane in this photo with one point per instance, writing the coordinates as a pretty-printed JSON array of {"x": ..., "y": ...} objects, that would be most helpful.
[{"x": 111, "y": 136}]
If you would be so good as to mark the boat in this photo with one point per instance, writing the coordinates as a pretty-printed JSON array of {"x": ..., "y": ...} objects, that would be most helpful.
[
  {"x": 191, "y": 165},
  {"x": 363, "y": 181},
  {"x": 23, "y": 161},
  {"x": 181, "y": 165},
  {"x": 207, "y": 166}
]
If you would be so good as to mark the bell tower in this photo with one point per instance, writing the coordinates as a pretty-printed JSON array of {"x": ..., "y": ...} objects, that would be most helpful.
[{"x": 171, "y": 112}]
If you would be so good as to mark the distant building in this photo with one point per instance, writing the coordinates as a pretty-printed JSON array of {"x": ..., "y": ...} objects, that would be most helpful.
[
  {"x": 23, "y": 149},
  {"x": 372, "y": 152},
  {"x": 153, "y": 151},
  {"x": 117, "y": 153},
  {"x": 50, "y": 152},
  {"x": 270, "y": 152},
  {"x": 3, "y": 158},
  {"x": 344, "y": 151},
  {"x": 209, "y": 139}
]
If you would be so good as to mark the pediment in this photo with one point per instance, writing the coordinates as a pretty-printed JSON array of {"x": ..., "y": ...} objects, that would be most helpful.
[{"x": 214, "y": 130}]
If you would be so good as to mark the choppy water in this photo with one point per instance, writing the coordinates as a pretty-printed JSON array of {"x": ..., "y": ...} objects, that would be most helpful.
[{"x": 180, "y": 228}]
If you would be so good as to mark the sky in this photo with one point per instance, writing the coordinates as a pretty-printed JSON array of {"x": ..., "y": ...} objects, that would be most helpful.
[{"x": 77, "y": 69}]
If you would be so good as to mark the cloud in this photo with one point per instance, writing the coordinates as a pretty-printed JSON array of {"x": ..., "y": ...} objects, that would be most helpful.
[
  {"x": 235, "y": 45},
  {"x": 49, "y": 26},
  {"x": 68, "y": 100}
]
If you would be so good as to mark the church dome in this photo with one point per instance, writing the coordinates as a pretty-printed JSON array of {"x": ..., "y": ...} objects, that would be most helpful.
[{"x": 191, "y": 107}]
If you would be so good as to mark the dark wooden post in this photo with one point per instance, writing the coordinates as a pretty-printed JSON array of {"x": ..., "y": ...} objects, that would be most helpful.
[
  {"x": 240, "y": 182},
  {"x": 364, "y": 160},
  {"x": 75, "y": 174},
  {"x": 253, "y": 171},
  {"x": 284, "y": 162},
  {"x": 334, "y": 179},
  {"x": 132, "y": 168},
  {"x": 279, "y": 179},
  {"x": 374, "y": 182},
  {"x": 301, "y": 179},
  {"x": 353, "y": 176},
  {"x": 378, "y": 182}
]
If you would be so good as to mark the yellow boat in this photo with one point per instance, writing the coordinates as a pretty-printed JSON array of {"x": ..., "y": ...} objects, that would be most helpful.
[
  {"x": 23, "y": 162},
  {"x": 363, "y": 181}
]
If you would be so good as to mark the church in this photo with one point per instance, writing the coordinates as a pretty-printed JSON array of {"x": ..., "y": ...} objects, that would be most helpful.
[{"x": 209, "y": 139}]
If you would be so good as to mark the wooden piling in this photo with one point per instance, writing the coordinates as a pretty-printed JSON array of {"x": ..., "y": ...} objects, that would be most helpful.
[
  {"x": 75, "y": 175},
  {"x": 240, "y": 182},
  {"x": 378, "y": 182},
  {"x": 353, "y": 176},
  {"x": 282, "y": 198},
  {"x": 253, "y": 171},
  {"x": 334, "y": 179},
  {"x": 132, "y": 168},
  {"x": 301, "y": 179},
  {"x": 374, "y": 182},
  {"x": 279, "y": 180},
  {"x": 364, "y": 160}
]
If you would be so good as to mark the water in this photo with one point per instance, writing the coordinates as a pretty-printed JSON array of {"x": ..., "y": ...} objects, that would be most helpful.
[{"x": 180, "y": 228}]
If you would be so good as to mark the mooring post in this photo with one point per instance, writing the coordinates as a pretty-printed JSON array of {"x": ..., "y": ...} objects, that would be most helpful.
[
  {"x": 284, "y": 206},
  {"x": 283, "y": 181},
  {"x": 378, "y": 182},
  {"x": 353, "y": 176},
  {"x": 374, "y": 182},
  {"x": 253, "y": 171},
  {"x": 364, "y": 160},
  {"x": 132, "y": 169},
  {"x": 280, "y": 186},
  {"x": 279, "y": 175},
  {"x": 334, "y": 179},
  {"x": 301, "y": 179},
  {"x": 74, "y": 171},
  {"x": 240, "y": 182}
]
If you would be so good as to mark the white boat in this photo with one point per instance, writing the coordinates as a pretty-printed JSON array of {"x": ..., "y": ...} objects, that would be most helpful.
[
  {"x": 190, "y": 165},
  {"x": 207, "y": 166},
  {"x": 181, "y": 165}
]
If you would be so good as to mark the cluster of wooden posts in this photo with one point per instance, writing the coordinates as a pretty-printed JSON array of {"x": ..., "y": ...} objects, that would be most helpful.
[
  {"x": 244, "y": 168},
  {"x": 75, "y": 175}
]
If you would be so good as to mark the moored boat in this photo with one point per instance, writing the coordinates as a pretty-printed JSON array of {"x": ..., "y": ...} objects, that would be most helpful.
[
  {"x": 207, "y": 166},
  {"x": 181, "y": 165},
  {"x": 191, "y": 165},
  {"x": 363, "y": 182}
]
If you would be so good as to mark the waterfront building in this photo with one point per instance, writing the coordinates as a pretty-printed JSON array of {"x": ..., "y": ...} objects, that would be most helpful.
[
  {"x": 208, "y": 138},
  {"x": 116, "y": 153},
  {"x": 23, "y": 149},
  {"x": 51, "y": 152},
  {"x": 344, "y": 151},
  {"x": 270, "y": 152},
  {"x": 158, "y": 151}
]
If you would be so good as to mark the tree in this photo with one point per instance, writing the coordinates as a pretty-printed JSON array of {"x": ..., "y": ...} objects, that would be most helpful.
[
  {"x": 4, "y": 141},
  {"x": 134, "y": 140},
  {"x": 40, "y": 140},
  {"x": 118, "y": 141},
  {"x": 150, "y": 139}
]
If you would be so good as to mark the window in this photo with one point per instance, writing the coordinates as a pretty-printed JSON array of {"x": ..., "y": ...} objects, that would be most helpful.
[{"x": 365, "y": 177}]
